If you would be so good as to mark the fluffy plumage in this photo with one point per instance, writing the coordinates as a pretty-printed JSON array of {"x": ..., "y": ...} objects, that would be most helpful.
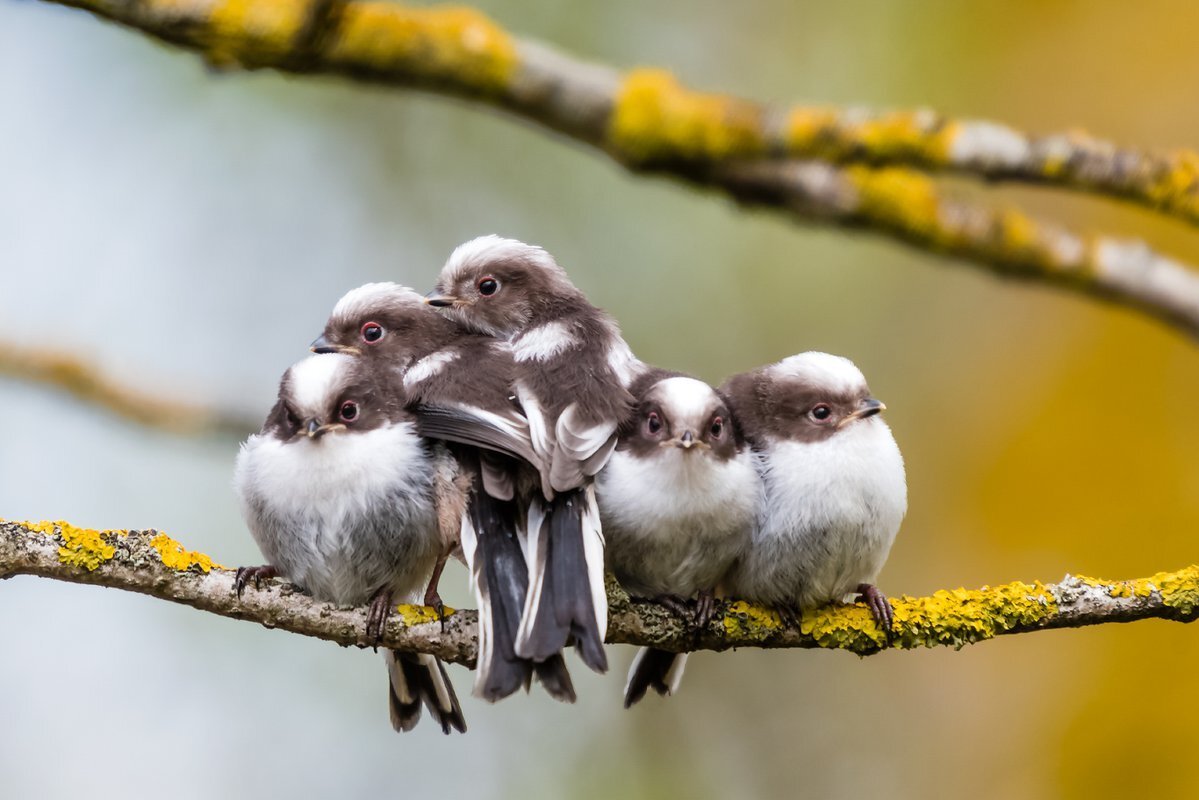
[
  {"x": 458, "y": 387},
  {"x": 834, "y": 491},
  {"x": 573, "y": 370},
  {"x": 676, "y": 500},
  {"x": 343, "y": 505}
]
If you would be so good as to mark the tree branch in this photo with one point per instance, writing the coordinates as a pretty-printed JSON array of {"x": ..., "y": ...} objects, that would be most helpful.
[
  {"x": 150, "y": 562},
  {"x": 83, "y": 381},
  {"x": 647, "y": 121}
]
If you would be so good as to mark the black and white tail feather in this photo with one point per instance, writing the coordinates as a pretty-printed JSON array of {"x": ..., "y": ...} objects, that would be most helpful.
[
  {"x": 415, "y": 679},
  {"x": 659, "y": 670},
  {"x": 567, "y": 601},
  {"x": 493, "y": 547}
]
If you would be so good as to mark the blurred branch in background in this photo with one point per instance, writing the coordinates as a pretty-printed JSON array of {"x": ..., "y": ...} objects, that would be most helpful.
[
  {"x": 647, "y": 121},
  {"x": 150, "y": 562},
  {"x": 82, "y": 380}
]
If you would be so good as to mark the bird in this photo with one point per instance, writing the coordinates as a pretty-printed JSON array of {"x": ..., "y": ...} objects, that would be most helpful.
[
  {"x": 342, "y": 497},
  {"x": 446, "y": 371},
  {"x": 572, "y": 377},
  {"x": 676, "y": 500},
  {"x": 834, "y": 489}
]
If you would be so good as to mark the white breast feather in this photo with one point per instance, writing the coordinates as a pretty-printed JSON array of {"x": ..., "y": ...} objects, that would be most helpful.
[
  {"x": 829, "y": 515},
  {"x": 339, "y": 478}
]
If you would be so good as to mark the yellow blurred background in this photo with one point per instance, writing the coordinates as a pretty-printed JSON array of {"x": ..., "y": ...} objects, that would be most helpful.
[{"x": 190, "y": 231}]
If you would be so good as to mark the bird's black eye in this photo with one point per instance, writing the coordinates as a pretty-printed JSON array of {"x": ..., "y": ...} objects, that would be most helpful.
[
  {"x": 653, "y": 423},
  {"x": 821, "y": 412},
  {"x": 348, "y": 411},
  {"x": 488, "y": 286},
  {"x": 717, "y": 427},
  {"x": 293, "y": 422},
  {"x": 371, "y": 332}
]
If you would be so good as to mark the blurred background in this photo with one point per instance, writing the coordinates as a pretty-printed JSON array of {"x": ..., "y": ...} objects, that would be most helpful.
[{"x": 189, "y": 232}]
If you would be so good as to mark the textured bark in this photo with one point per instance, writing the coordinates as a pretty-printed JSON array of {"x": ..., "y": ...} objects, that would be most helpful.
[
  {"x": 647, "y": 121},
  {"x": 151, "y": 563}
]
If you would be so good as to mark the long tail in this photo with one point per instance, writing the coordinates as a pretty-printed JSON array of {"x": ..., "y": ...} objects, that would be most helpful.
[
  {"x": 501, "y": 581},
  {"x": 566, "y": 600},
  {"x": 653, "y": 669},
  {"x": 416, "y": 678}
]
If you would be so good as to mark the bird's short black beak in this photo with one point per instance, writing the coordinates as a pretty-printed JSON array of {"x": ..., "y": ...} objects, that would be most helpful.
[
  {"x": 868, "y": 408},
  {"x": 313, "y": 426},
  {"x": 321, "y": 344},
  {"x": 439, "y": 300},
  {"x": 687, "y": 439}
]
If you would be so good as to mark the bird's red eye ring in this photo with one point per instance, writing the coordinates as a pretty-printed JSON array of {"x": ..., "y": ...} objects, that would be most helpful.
[
  {"x": 348, "y": 411},
  {"x": 488, "y": 286},
  {"x": 371, "y": 332},
  {"x": 821, "y": 411},
  {"x": 653, "y": 423},
  {"x": 717, "y": 427}
]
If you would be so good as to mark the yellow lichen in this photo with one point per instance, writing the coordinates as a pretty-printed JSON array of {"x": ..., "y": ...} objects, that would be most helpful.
[
  {"x": 902, "y": 134},
  {"x": 898, "y": 136},
  {"x": 746, "y": 622},
  {"x": 1177, "y": 183},
  {"x": 81, "y": 547},
  {"x": 960, "y": 616},
  {"x": 1179, "y": 590},
  {"x": 419, "y": 615},
  {"x": 451, "y": 44},
  {"x": 656, "y": 119},
  {"x": 900, "y": 198},
  {"x": 264, "y": 28},
  {"x": 809, "y": 131},
  {"x": 844, "y": 627},
  {"x": 175, "y": 556}
]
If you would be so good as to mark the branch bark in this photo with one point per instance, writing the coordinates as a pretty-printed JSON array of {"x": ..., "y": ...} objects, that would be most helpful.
[
  {"x": 82, "y": 380},
  {"x": 149, "y": 562},
  {"x": 647, "y": 121}
]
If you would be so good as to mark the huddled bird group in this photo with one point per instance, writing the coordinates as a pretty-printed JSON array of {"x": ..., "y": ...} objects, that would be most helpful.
[{"x": 502, "y": 419}]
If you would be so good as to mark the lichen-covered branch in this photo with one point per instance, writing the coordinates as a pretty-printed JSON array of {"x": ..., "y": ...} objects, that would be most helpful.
[
  {"x": 150, "y": 562},
  {"x": 909, "y": 206},
  {"x": 82, "y": 380},
  {"x": 647, "y": 121}
]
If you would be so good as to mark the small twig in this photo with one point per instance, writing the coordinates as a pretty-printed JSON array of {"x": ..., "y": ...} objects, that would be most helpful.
[{"x": 83, "y": 381}]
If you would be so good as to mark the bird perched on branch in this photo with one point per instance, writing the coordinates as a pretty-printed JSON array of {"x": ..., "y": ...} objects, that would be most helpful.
[
  {"x": 834, "y": 491},
  {"x": 676, "y": 500},
  {"x": 343, "y": 498},
  {"x": 572, "y": 375},
  {"x": 442, "y": 372}
]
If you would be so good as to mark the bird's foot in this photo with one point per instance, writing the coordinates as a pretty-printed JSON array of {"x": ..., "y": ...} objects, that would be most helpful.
[
  {"x": 705, "y": 606},
  {"x": 679, "y": 605},
  {"x": 376, "y": 616},
  {"x": 433, "y": 600},
  {"x": 257, "y": 574},
  {"x": 880, "y": 607},
  {"x": 790, "y": 615}
]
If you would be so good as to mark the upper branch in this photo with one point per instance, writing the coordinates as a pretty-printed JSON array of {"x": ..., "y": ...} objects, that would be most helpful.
[
  {"x": 152, "y": 563},
  {"x": 645, "y": 120}
]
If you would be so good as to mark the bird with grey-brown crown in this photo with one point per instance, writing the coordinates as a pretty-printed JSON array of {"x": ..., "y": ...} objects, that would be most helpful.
[
  {"x": 343, "y": 498},
  {"x": 676, "y": 499},
  {"x": 573, "y": 370},
  {"x": 446, "y": 372},
  {"x": 834, "y": 491}
]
